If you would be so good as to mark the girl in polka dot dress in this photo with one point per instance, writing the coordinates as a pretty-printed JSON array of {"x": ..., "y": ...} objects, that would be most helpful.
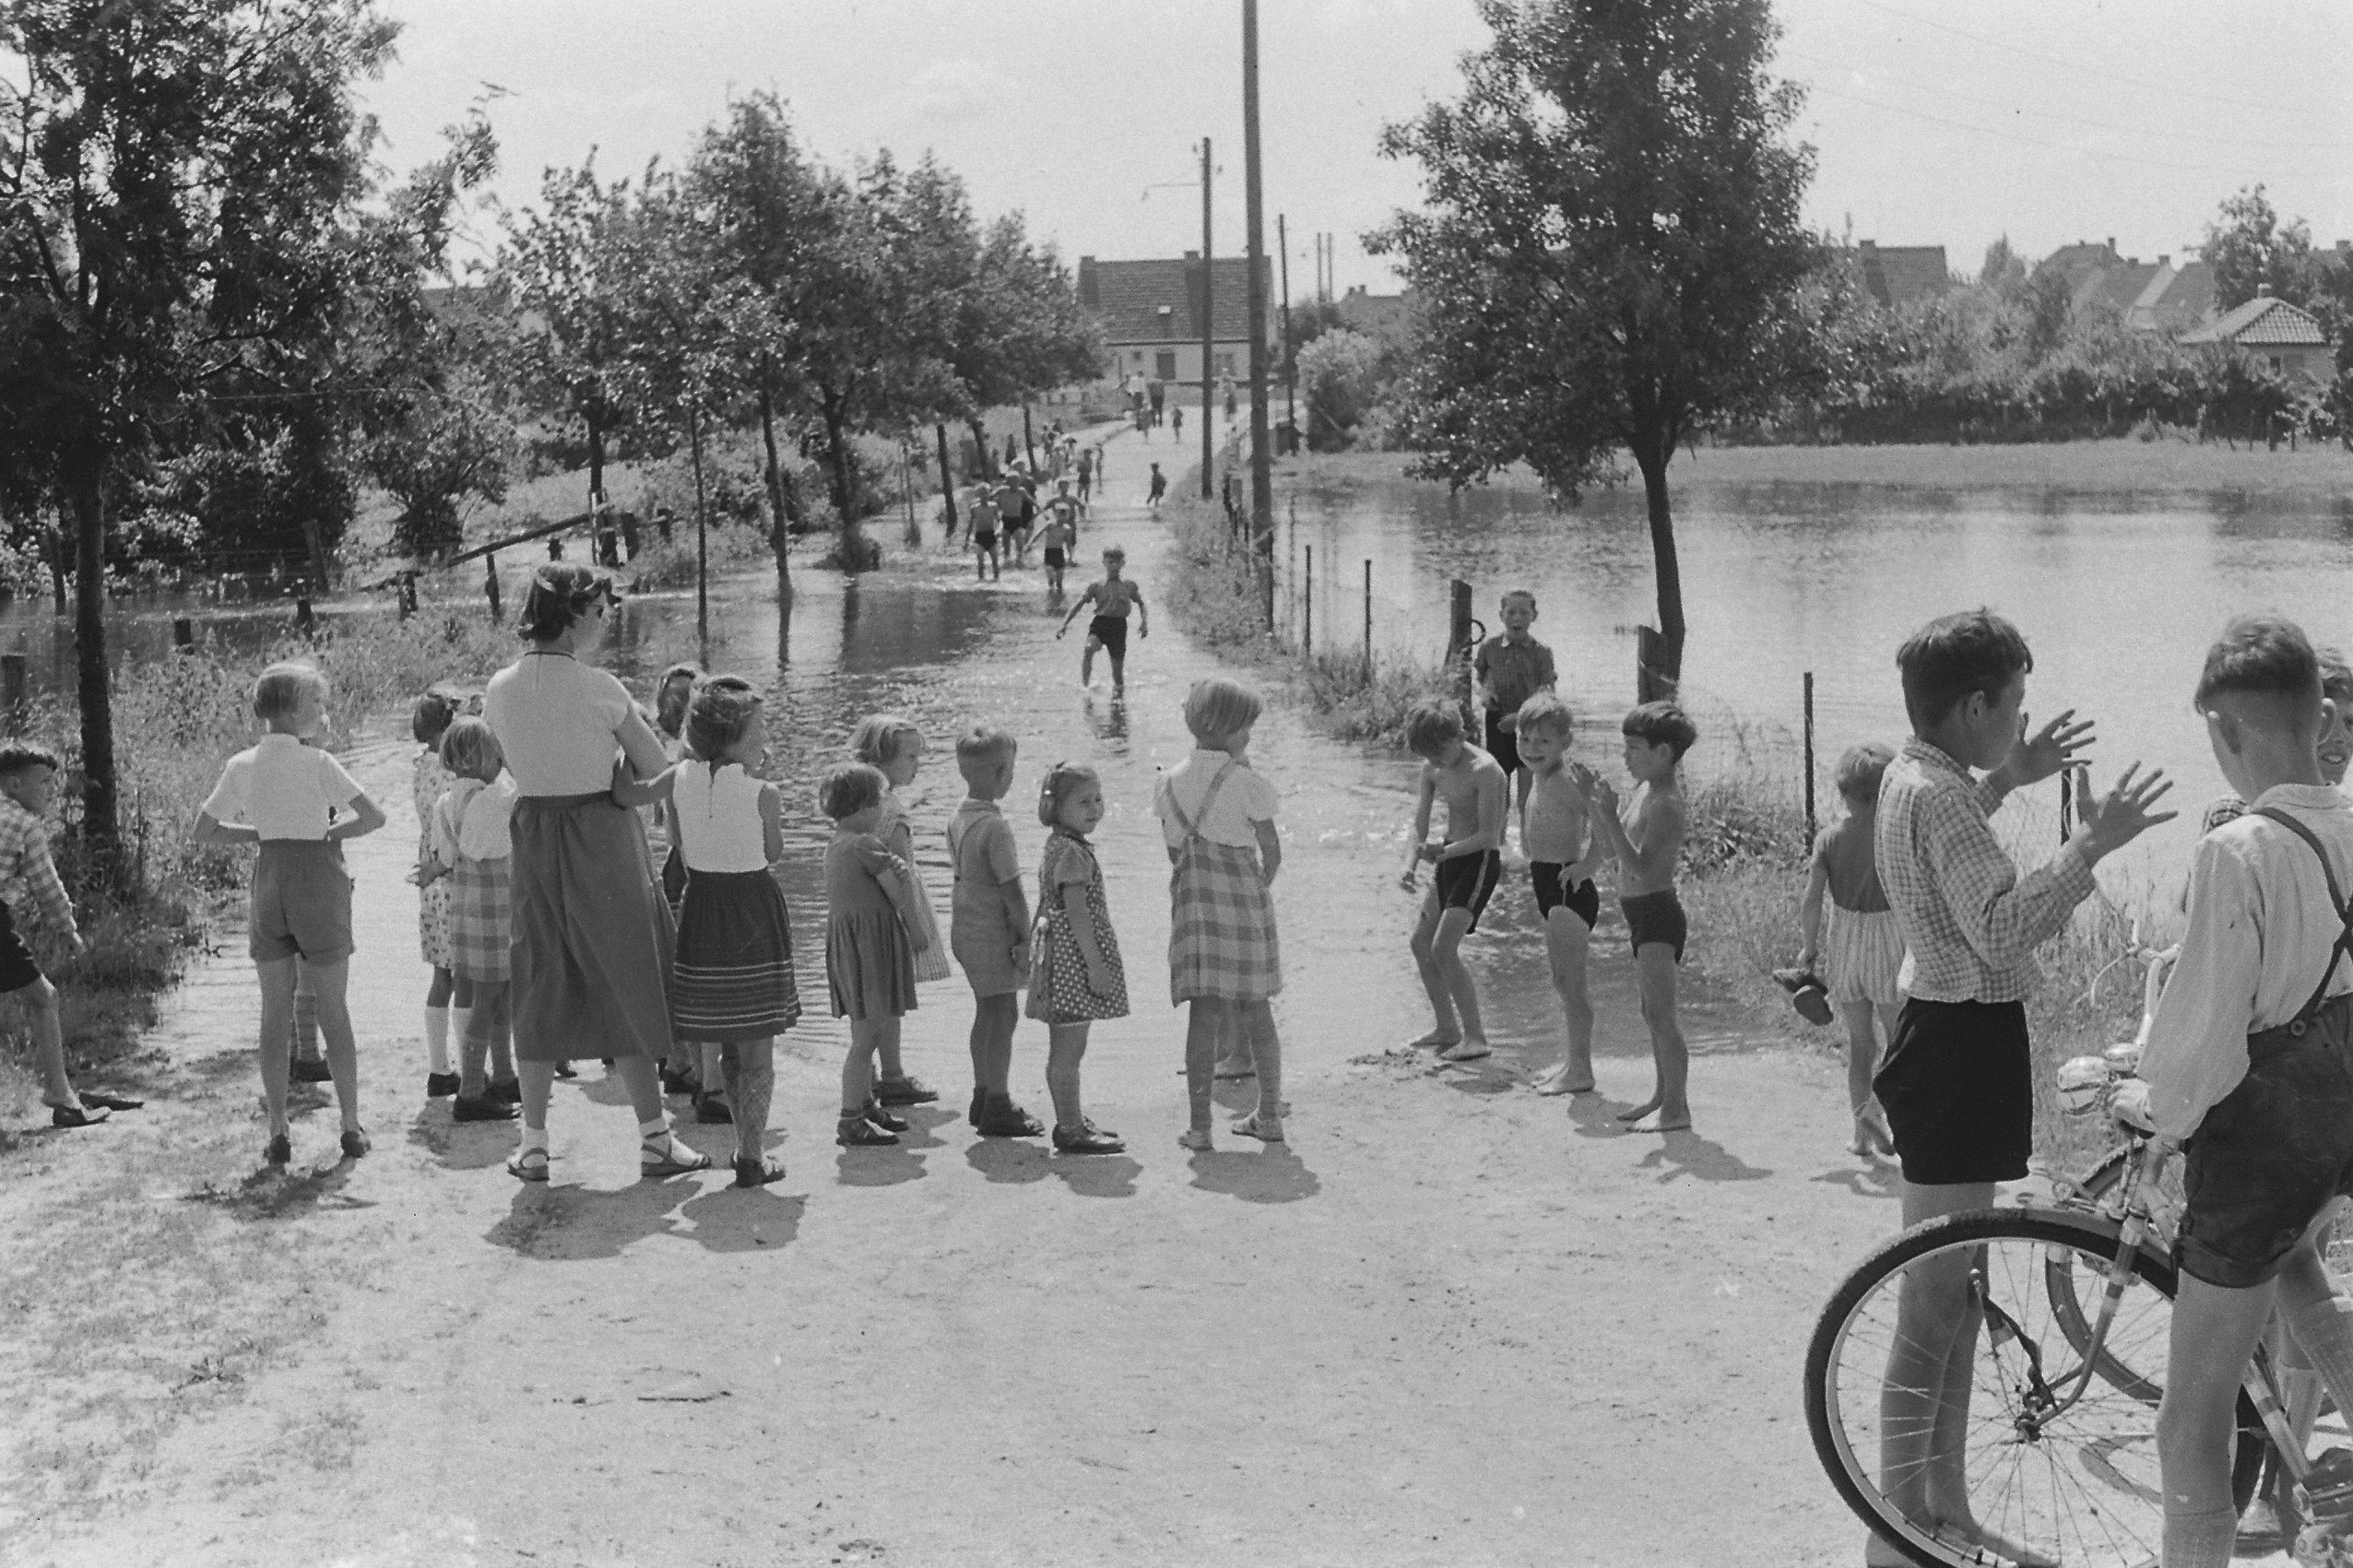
[{"x": 1075, "y": 978}]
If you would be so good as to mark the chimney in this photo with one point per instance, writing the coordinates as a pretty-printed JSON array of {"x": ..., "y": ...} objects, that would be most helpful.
[
  {"x": 1869, "y": 244},
  {"x": 2263, "y": 291},
  {"x": 1090, "y": 290},
  {"x": 1192, "y": 255},
  {"x": 2165, "y": 261},
  {"x": 2112, "y": 244}
]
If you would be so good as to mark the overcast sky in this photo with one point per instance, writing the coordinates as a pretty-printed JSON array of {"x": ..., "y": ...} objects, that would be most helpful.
[{"x": 2046, "y": 120}]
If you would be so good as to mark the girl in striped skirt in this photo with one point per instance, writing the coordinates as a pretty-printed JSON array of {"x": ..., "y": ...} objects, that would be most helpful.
[
  {"x": 1862, "y": 957},
  {"x": 473, "y": 845},
  {"x": 1217, "y": 819},
  {"x": 731, "y": 981}
]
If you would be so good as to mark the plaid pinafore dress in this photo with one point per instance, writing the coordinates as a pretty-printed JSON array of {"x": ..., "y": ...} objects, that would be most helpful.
[{"x": 1221, "y": 921}]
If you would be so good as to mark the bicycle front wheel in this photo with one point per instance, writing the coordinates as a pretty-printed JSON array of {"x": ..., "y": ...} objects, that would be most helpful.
[{"x": 2043, "y": 1457}]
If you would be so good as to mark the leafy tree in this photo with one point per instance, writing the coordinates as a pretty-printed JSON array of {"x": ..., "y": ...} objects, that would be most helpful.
[
  {"x": 2248, "y": 247},
  {"x": 1340, "y": 375},
  {"x": 2004, "y": 270},
  {"x": 1612, "y": 230},
  {"x": 1017, "y": 328},
  {"x": 169, "y": 187}
]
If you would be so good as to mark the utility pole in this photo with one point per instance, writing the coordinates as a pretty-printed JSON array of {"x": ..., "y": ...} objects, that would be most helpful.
[
  {"x": 1290, "y": 359},
  {"x": 1262, "y": 450},
  {"x": 1208, "y": 315}
]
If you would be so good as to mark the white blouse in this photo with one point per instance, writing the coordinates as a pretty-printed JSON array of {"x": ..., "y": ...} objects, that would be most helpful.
[
  {"x": 719, "y": 827},
  {"x": 556, "y": 720}
]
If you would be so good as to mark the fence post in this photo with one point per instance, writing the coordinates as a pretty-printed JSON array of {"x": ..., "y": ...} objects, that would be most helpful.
[
  {"x": 1809, "y": 828},
  {"x": 491, "y": 585},
  {"x": 183, "y": 632},
  {"x": 304, "y": 621},
  {"x": 1307, "y": 622},
  {"x": 12, "y": 691},
  {"x": 1369, "y": 618}
]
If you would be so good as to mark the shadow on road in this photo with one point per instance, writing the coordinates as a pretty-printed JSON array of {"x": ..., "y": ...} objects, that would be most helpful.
[
  {"x": 1272, "y": 1173},
  {"x": 1688, "y": 1154}
]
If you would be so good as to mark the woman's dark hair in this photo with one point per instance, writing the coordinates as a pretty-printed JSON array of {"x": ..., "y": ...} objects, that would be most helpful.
[
  {"x": 429, "y": 714},
  {"x": 560, "y": 595}
]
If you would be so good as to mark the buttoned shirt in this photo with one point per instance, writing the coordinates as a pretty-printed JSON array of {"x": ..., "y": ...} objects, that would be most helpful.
[
  {"x": 1969, "y": 922},
  {"x": 2260, "y": 932},
  {"x": 1513, "y": 672},
  {"x": 282, "y": 789},
  {"x": 28, "y": 879},
  {"x": 559, "y": 723}
]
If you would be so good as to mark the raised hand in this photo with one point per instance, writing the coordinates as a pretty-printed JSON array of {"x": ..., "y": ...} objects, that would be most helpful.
[
  {"x": 2053, "y": 747},
  {"x": 2124, "y": 813}
]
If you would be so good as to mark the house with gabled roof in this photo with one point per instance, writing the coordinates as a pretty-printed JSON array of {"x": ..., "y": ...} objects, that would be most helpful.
[
  {"x": 1151, "y": 314},
  {"x": 1896, "y": 275},
  {"x": 2273, "y": 332},
  {"x": 2175, "y": 300},
  {"x": 1384, "y": 317}
]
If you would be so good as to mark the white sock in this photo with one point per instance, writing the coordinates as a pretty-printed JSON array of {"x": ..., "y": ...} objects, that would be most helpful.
[
  {"x": 657, "y": 1132},
  {"x": 535, "y": 1138},
  {"x": 437, "y": 1039}
]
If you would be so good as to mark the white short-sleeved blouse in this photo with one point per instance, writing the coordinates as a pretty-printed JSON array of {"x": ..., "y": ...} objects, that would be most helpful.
[
  {"x": 1244, "y": 801},
  {"x": 556, "y": 719}
]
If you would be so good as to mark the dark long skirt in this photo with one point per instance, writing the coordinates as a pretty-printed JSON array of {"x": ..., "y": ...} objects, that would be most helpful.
[{"x": 592, "y": 933}]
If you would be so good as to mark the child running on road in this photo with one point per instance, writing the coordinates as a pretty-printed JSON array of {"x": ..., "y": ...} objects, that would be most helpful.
[
  {"x": 2249, "y": 1050},
  {"x": 1112, "y": 598},
  {"x": 1556, "y": 834},
  {"x": 872, "y": 935},
  {"x": 1647, "y": 844},
  {"x": 1477, "y": 796},
  {"x": 1863, "y": 958},
  {"x": 989, "y": 928},
  {"x": 1076, "y": 976},
  {"x": 1159, "y": 487}
]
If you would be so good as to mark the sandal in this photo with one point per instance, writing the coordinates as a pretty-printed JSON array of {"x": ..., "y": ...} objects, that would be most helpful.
[
  {"x": 355, "y": 1143},
  {"x": 480, "y": 1108},
  {"x": 884, "y": 1119},
  {"x": 80, "y": 1116},
  {"x": 529, "y": 1164},
  {"x": 677, "y": 1083},
  {"x": 1084, "y": 1140},
  {"x": 759, "y": 1173},
  {"x": 505, "y": 1090},
  {"x": 566, "y": 1069},
  {"x": 856, "y": 1132},
  {"x": 1195, "y": 1138},
  {"x": 678, "y": 1162},
  {"x": 441, "y": 1086},
  {"x": 909, "y": 1091},
  {"x": 1005, "y": 1119},
  {"x": 1268, "y": 1130},
  {"x": 110, "y": 1102}
]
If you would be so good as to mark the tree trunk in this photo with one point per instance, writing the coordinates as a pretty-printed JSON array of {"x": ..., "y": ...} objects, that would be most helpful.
[
  {"x": 947, "y": 480},
  {"x": 84, "y": 476},
  {"x": 1651, "y": 458},
  {"x": 316, "y": 546},
  {"x": 1029, "y": 441},
  {"x": 837, "y": 461},
  {"x": 595, "y": 454},
  {"x": 58, "y": 548},
  {"x": 780, "y": 534},
  {"x": 980, "y": 446}
]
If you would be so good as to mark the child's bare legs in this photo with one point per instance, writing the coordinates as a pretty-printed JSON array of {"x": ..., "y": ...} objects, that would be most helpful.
[
  {"x": 1566, "y": 940},
  {"x": 1234, "y": 1057},
  {"x": 994, "y": 1020},
  {"x": 1255, "y": 1022},
  {"x": 278, "y": 1017},
  {"x": 442, "y": 986},
  {"x": 1434, "y": 982},
  {"x": 1453, "y": 979},
  {"x": 713, "y": 1073},
  {"x": 49, "y": 1045},
  {"x": 329, "y": 980},
  {"x": 886, "y": 1047},
  {"x": 1671, "y": 1098},
  {"x": 306, "y": 1012},
  {"x": 2214, "y": 1332},
  {"x": 1202, "y": 1024},
  {"x": 867, "y": 1035},
  {"x": 1925, "y": 1404},
  {"x": 1086, "y": 661},
  {"x": 749, "y": 1069},
  {"x": 1863, "y": 1018},
  {"x": 1066, "y": 1047},
  {"x": 486, "y": 1038},
  {"x": 1118, "y": 672}
]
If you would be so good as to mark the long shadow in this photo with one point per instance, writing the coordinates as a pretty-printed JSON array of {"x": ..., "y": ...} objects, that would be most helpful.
[
  {"x": 733, "y": 1219},
  {"x": 1686, "y": 1153},
  {"x": 570, "y": 1223},
  {"x": 924, "y": 1123},
  {"x": 885, "y": 1167},
  {"x": 462, "y": 1146},
  {"x": 272, "y": 1194},
  {"x": 1876, "y": 1180},
  {"x": 1094, "y": 1175},
  {"x": 1011, "y": 1161},
  {"x": 1272, "y": 1174}
]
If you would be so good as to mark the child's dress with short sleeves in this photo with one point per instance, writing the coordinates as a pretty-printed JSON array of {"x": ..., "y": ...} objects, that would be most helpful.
[
  {"x": 472, "y": 836},
  {"x": 870, "y": 962},
  {"x": 731, "y": 975},
  {"x": 428, "y": 783},
  {"x": 931, "y": 963},
  {"x": 1059, "y": 988}
]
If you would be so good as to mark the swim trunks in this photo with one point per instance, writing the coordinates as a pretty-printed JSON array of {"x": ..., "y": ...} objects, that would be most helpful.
[
  {"x": 1584, "y": 900},
  {"x": 1656, "y": 917},
  {"x": 1468, "y": 882}
]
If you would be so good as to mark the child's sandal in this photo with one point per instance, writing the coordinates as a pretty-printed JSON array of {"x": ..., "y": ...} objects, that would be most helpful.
[
  {"x": 759, "y": 1173},
  {"x": 1084, "y": 1139},
  {"x": 678, "y": 1161},
  {"x": 884, "y": 1119},
  {"x": 528, "y": 1164},
  {"x": 1197, "y": 1139},
  {"x": 855, "y": 1132},
  {"x": 1268, "y": 1130}
]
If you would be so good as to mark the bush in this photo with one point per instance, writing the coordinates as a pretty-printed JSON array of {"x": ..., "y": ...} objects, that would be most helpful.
[{"x": 1341, "y": 374}]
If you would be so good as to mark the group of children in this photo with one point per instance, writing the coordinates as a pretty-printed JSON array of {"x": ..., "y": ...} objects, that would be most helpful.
[{"x": 1004, "y": 518}]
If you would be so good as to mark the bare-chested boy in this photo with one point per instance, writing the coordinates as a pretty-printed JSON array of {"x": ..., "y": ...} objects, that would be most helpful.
[
  {"x": 1477, "y": 796},
  {"x": 1553, "y": 833},
  {"x": 1647, "y": 844}
]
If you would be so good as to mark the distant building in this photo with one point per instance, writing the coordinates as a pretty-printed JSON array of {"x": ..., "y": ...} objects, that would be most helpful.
[
  {"x": 2175, "y": 300},
  {"x": 2272, "y": 331},
  {"x": 1897, "y": 275},
  {"x": 1151, "y": 315},
  {"x": 1387, "y": 317},
  {"x": 2071, "y": 262}
]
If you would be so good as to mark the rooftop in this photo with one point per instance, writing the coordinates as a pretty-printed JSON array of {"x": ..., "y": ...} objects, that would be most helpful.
[
  {"x": 1896, "y": 275},
  {"x": 2264, "y": 319},
  {"x": 1159, "y": 301}
]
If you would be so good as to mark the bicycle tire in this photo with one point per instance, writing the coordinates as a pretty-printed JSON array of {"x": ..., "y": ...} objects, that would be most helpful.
[{"x": 2116, "y": 1503}]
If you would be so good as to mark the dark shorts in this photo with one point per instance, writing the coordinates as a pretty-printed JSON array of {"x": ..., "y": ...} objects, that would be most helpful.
[
  {"x": 1656, "y": 917},
  {"x": 1054, "y": 557},
  {"x": 1501, "y": 744},
  {"x": 2272, "y": 1153},
  {"x": 19, "y": 968},
  {"x": 1584, "y": 900},
  {"x": 301, "y": 902},
  {"x": 1111, "y": 630},
  {"x": 986, "y": 539},
  {"x": 1959, "y": 1089},
  {"x": 1468, "y": 882}
]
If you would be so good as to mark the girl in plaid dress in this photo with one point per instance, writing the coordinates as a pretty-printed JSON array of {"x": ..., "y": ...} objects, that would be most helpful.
[
  {"x": 429, "y": 719},
  {"x": 473, "y": 849},
  {"x": 1217, "y": 819},
  {"x": 1075, "y": 976}
]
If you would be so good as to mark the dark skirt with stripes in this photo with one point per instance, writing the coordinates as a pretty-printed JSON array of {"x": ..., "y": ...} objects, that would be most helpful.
[{"x": 732, "y": 980}]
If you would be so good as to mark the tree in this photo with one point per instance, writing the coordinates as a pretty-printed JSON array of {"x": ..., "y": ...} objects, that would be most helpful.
[
  {"x": 2249, "y": 247},
  {"x": 1339, "y": 375},
  {"x": 169, "y": 188},
  {"x": 1612, "y": 228},
  {"x": 1017, "y": 329},
  {"x": 2004, "y": 271}
]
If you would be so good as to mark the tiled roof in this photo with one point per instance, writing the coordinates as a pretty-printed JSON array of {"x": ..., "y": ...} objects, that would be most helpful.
[
  {"x": 2261, "y": 320},
  {"x": 1896, "y": 275},
  {"x": 2119, "y": 287},
  {"x": 1376, "y": 315},
  {"x": 2072, "y": 259},
  {"x": 1128, "y": 297},
  {"x": 2176, "y": 299}
]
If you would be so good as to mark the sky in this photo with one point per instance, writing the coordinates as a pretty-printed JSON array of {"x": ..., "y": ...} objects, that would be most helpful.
[{"x": 2046, "y": 121}]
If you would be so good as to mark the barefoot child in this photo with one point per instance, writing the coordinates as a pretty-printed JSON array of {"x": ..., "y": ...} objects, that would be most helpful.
[
  {"x": 1511, "y": 668},
  {"x": 1217, "y": 819},
  {"x": 731, "y": 982},
  {"x": 429, "y": 720},
  {"x": 1477, "y": 796},
  {"x": 983, "y": 513},
  {"x": 277, "y": 796},
  {"x": 1647, "y": 844},
  {"x": 893, "y": 746},
  {"x": 2248, "y": 1050},
  {"x": 872, "y": 932},
  {"x": 1075, "y": 974},
  {"x": 1107, "y": 632},
  {"x": 472, "y": 854},
  {"x": 1159, "y": 487},
  {"x": 1057, "y": 538},
  {"x": 1555, "y": 838},
  {"x": 31, "y": 896},
  {"x": 988, "y": 927},
  {"x": 1863, "y": 959},
  {"x": 1957, "y": 1085}
]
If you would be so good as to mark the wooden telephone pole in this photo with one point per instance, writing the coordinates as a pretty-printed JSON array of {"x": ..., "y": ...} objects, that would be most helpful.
[
  {"x": 1207, "y": 336},
  {"x": 1261, "y": 448}
]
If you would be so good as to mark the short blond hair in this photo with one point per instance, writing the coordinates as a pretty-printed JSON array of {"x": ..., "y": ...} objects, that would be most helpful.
[
  {"x": 1545, "y": 714},
  {"x": 468, "y": 746},
  {"x": 1217, "y": 707},
  {"x": 876, "y": 739},
  {"x": 981, "y": 748},
  {"x": 281, "y": 687}
]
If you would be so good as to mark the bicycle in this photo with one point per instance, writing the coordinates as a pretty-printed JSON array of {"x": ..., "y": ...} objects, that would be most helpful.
[{"x": 2075, "y": 1300}]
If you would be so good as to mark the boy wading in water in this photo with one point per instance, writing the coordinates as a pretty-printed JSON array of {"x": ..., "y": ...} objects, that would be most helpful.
[
  {"x": 1647, "y": 845},
  {"x": 2249, "y": 1050},
  {"x": 1112, "y": 598},
  {"x": 1511, "y": 667},
  {"x": 1957, "y": 1085},
  {"x": 1477, "y": 797},
  {"x": 1553, "y": 832}
]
